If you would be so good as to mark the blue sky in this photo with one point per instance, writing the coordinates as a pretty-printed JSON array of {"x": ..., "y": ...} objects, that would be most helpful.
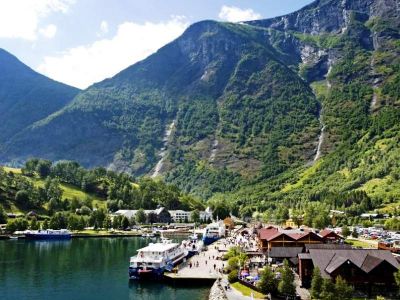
[{"x": 80, "y": 42}]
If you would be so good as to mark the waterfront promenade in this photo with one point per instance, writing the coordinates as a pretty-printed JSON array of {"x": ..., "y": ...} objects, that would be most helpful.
[{"x": 206, "y": 265}]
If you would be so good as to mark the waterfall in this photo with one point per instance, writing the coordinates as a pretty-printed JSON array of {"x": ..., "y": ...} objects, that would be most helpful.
[
  {"x": 213, "y": 150},
  {"x": 320, "y": 138},
  {"x": 163, "y": 150}
]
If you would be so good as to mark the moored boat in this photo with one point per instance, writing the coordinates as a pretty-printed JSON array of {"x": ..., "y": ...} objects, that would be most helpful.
[
  {"x": 48, "y": 234},
  {"x": 153, "y": 260},
  {"x": 213, "y": 232}
]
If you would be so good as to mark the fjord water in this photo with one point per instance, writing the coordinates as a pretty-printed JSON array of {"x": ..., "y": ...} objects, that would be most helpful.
[{"x": 92, "y": 268}]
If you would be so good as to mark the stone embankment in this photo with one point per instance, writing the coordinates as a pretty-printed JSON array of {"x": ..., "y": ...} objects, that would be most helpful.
[{"x": 217, "y": 292}]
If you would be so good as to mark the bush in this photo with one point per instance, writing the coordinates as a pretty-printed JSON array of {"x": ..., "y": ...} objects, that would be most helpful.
[{"x": 233, "y": 276}]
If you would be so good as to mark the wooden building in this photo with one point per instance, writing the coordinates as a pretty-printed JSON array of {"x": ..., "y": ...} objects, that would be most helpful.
[
  {"x": 365, "y": 269},
  {"x": 274, "y": 237}
]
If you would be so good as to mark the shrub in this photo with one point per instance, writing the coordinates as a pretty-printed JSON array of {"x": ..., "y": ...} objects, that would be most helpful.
[{"x": 233, "y": 276}]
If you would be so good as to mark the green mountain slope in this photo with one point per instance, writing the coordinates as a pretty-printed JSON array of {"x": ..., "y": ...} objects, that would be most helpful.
[
  {"x": 26, "y": 96},
  {"x": 295, "y": 108},
  {"x": 219, "y": 82}
]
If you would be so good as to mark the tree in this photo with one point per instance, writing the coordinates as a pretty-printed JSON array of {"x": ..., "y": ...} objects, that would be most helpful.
[
  {"x": 22, "y": 197},
  {"x": 268, "y": 282},
  {"x": 328, "y": 290},
  {"x": 343, "y": 290},
  {"x": 43, "y": 168},
  {"x": 286, "y": 285},
  {"x": 233, "y": 276},
  {"x": 140, "y": 216},
  {"x": 34, "y": 225},
  {"x": 397, "y": 279},
  {"x": 354, "y": 233},
  {"x": 316, "y": 284},
  {"x": 116, "y": 222},
  {"x": 195, "y": 216},
  {"x": 45, "y": 224},
  {"x": 18, "y": 224},
  {"x": 3, "y": 215},
  {"x": 107, "y": 223},
  {"x": 124, "y": 223},
  {"x": 345, "y": 231}
]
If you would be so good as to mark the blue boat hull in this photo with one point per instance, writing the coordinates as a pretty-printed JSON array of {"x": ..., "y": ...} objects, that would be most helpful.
[
  {"x": 48, "y": 236},
  {"x": 209, "y": 240},
  {"x": 136, "y": 273}
]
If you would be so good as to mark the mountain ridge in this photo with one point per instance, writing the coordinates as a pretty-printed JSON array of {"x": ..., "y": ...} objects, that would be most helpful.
[{"x": 248, "y": 103}]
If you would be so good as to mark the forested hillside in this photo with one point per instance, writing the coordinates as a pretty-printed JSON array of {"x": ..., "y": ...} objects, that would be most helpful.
[
  {"x": 257, "y": 116},
  {"x": 26, "y": 96}
]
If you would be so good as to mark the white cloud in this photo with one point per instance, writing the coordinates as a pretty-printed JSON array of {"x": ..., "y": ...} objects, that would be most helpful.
[
  {"x": 236, "y": 14},
  {"x": 21, "y": 18},
  {"x": 86, "y": 64},
  {"x": 48, "y": 31},
  {"x": 104, "y": 27}
]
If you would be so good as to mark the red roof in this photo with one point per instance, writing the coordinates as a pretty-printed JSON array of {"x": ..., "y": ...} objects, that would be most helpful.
[
  {"x": 267, "y": 233},
  {"x": 324, "y": 233}
]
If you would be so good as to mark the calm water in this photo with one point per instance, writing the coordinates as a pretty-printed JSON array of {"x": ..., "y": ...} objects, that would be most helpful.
[{"x": 79, "y": 269}]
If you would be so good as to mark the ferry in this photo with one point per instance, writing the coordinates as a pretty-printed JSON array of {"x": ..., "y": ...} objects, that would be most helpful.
[
  {"x": 193, "y": 247},
  {"x": 48, "y": 234},
  {"x": 153, "y": 260},
  {"x": 213, "y": 232}
]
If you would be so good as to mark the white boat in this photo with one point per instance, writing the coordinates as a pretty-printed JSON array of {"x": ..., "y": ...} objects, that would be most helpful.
[
  {"x": 153, "y": 260},
  {"x": 213, "y": 232},
  {"x": 48, "y": 234},
  {"x": 148, "y": 235},
  {"x": 193, "y": 247}
]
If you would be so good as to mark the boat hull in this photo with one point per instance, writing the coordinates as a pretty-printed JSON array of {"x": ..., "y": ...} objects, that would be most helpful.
[
  {"x": 31, "y": 236},
  {"x": 209, "y": 240},
  {"x": 137, "y": 273}
]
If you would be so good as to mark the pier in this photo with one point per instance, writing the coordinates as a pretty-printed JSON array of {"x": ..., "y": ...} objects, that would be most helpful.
[{"x": 205, "y": 266}]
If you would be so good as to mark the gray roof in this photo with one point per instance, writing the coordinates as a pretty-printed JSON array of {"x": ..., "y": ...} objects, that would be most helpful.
[
  {"x": 304, "y": 256},
  {"x": 285, "y": 252},
  {"x": 328, "y": 260},
  {"x": 327, "y": 246}
]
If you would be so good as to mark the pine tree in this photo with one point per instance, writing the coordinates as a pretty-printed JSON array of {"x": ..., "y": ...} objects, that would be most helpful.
[
  {"x": 286, "y": 285},
  {"x": 343, "y": 290},
  {"x": 316, "y": 284},
  {"x": 268, "y": 282},
  {"x": 328, "y": 290}
]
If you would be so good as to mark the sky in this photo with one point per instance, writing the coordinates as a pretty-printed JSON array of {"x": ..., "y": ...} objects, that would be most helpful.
[{"x": 80, "y": 42}]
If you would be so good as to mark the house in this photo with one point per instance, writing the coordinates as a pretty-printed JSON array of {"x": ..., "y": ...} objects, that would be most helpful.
[
  {"x": 161, "y": 214},
  {"x": 329, "y": 236},
  {"x": 206, "y": 215},
  {"x": 180, "y": 216},
  {"x": 276, "y": 237},
  {"x": 365, "y": 269}
]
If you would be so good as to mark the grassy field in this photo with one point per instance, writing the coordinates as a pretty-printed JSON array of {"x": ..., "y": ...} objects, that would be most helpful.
[
  {"x": 362, "y": 243},
  {"x": 245, "y": 291}
]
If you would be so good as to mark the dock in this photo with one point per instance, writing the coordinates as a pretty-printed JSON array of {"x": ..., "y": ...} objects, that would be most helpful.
[{"x": 205, "y": 266}]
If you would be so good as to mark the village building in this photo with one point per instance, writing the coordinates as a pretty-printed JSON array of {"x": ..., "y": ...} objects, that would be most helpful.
[
  {"x": 365, "y": 269},
  {"x": 162, "y": 215},
  {"x": 329, "y": 236},
  {"x": 271, "y": 237}
]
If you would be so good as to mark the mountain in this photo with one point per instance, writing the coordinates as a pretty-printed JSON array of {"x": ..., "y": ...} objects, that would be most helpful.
[
  {"x": 26, "y": 96},
  {"x": 294, "y": 107}
]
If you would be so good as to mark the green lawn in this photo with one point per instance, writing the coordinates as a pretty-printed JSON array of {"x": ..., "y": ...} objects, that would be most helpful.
[
  {"x": 247, "y": 291},
  {"x": 362, "y": 244}
]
